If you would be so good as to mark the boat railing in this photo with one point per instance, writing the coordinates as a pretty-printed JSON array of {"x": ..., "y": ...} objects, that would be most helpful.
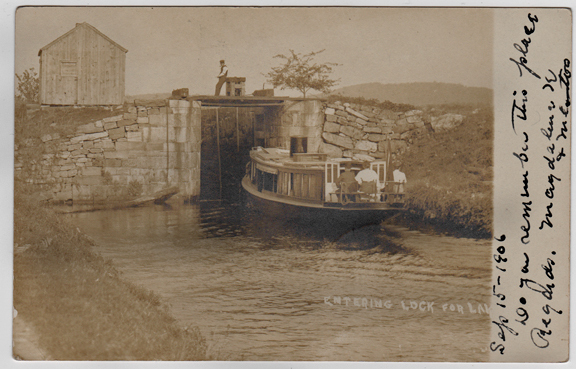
[{"x": 392, "y": 193}]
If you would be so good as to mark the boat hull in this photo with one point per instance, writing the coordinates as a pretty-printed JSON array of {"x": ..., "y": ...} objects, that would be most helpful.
[{"x": 294, "y": 210}]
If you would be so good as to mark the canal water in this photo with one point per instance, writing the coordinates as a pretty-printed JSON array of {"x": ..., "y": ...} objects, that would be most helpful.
[{"x": 261, "y": 288}]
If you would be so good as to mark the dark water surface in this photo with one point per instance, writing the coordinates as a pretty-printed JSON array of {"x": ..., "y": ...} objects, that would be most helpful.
[{"x": 263, "y": 289}]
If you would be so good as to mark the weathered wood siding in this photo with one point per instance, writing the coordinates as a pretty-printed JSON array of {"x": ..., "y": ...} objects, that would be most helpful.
[{"x": 82, "y": 68}]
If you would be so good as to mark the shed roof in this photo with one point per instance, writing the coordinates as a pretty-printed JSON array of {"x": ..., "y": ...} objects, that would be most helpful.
[{"x": 89, "y": 26}]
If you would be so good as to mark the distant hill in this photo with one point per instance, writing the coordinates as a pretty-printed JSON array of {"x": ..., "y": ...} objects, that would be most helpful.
[{"x": 420, "y": 93}]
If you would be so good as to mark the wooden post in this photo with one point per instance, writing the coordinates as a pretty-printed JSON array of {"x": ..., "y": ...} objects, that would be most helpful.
[
  {"x": 218, "y": 145},
  {"x": 253, "y": 129},
  {"x": 237, "y": 133}
]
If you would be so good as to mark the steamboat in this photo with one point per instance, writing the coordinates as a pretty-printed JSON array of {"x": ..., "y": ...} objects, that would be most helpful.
[{"x": 295, "y": 184}]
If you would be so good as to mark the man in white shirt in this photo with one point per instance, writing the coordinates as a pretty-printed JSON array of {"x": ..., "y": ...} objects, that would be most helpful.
[
  {"x": 400, "y": 179},
  {"x": 367, "y": 178},
  {"x": 221, "y": 77}
]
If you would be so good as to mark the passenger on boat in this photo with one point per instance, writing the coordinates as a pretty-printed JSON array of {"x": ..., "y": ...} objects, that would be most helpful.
[
  {"x": 367, "y": 179},
  {"x": 348, "y": 179},
  {"x": 399, "y": 179}
]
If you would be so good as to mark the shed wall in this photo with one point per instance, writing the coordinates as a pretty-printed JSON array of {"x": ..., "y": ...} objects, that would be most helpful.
[{"x": 82, "y": 68}]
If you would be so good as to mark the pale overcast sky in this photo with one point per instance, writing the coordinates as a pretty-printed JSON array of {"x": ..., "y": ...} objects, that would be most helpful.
[{"x": 171, "y": 48}]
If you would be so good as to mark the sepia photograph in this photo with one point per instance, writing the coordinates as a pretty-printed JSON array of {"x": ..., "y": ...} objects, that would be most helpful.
[{"x": 295, "y": 184}]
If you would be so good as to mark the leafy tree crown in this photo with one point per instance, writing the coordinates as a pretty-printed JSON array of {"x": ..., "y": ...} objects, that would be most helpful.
[
  {"x": 299, "y": 72},
  {"x": 28, "y": 88}
]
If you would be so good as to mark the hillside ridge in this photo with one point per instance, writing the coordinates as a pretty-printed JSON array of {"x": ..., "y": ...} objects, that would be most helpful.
[{"x": 420, "y": 93}]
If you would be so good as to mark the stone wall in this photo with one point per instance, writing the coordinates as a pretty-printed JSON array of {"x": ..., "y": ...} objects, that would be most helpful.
[
  {"x": 145, "y": 149},
  {"x": 362, "y": 132},
  {"x": 296, "y": 118}
]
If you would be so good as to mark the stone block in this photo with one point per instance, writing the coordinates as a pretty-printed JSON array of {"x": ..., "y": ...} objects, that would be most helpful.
[
  {"x": 332, "y": 150},
  {"x": 154, "y": 146},
  {"x": 156, "y": 134},
  {"x": 113, "y": 119},
  {"x": 331, "y": 127},
  {"x": 129, "y": 116},
  {"x": 118, "y": 171},
  {"x": 356, "y": 114},
  {"x": 110, "y": 125},
  {"x": 413, "y": 112},
  {"x": 132, "y": 109},
  {"x": 329, "y": 111},
  {"x": 88, "y": 144},
  {"x": 366, "y": 146},
  {"x": 116, "y": 154},
  {"x": 157, "y": 120},
  {"x": 67, "y": 167},
  {"x": 134, "y": 136},
  {"x": 375, "y": 137},
  {"x": 117, "y": 133},
  {"x": 363, "y": 157},
  {"x": 112, "y": 162},
  {"x": 142, "y": 120},
  {"x": 89, "y": 128},
  {"x": 372, "y": 129},
  {"x": 126, "y": 122},
  {"x": 132, "y": 128},
  {"x": 351, "y": 132},
  {"x": 338, "y": 140},
  {"x": 361, "y": 121},
  {"x": 89, "y": 180},
  {"x": 414, "y": 119},
  {"x": 180, "y": 133},
  {"x": 366, "y": 112},
  {"x": 69, "y": 173},
  {"x": 153, "y": 111},
  {"x": 342, "y": 120},
  {"x": 88, "y": 137},
  {"x": 341, "y": 113},
  {"x": 331, "y": 118},
  {"x": 130, "y": 146},
  {"x": 99, "y": 124},
  {"x": 401, "y": 126},
  {"x": 107, "y": 145},
  {"x": 446, "y": 121}
]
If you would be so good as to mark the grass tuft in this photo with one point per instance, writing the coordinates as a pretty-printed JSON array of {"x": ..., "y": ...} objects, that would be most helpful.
[{"x": 78, "y": 304}]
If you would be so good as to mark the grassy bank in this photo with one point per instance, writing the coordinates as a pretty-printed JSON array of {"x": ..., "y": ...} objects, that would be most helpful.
[
  {"x": 450, "y": 175},
  {"x": 79, "y": 306}
]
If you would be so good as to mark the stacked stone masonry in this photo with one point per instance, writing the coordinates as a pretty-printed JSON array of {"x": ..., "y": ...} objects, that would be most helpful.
[
  {"x": 142, "y": 151},
  {"x": 364, "y": 132}
]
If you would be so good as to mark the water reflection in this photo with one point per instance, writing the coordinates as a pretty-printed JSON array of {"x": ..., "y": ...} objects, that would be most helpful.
[{"x": 266, "y": 289}]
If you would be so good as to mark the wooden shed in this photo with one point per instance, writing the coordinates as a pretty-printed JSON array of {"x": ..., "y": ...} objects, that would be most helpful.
[{"x": 82, "y": 67}]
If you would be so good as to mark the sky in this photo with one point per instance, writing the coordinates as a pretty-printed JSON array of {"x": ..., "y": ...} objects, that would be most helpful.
[{"x": 170, "y": 48}]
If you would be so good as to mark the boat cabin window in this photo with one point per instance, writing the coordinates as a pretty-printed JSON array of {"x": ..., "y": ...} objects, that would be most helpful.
[{"x": 266, "y": 181}]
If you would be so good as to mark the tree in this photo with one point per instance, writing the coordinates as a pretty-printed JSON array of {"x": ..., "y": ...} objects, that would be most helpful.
[
  {"x": 300, "y": 73},
  {"x": 28, "y": 87}
]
